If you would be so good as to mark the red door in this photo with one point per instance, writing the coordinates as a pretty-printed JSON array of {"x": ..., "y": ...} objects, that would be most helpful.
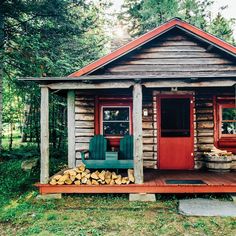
[{"x": 175, "y": 126}]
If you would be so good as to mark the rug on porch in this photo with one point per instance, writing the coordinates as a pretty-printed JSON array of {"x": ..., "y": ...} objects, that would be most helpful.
[
  {"x": 184, "y": 181},
  {"x": 206, "y": 207}
]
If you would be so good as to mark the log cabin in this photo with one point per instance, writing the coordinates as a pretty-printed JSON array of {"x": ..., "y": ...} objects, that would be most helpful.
[{"x": 172, "y": 89}]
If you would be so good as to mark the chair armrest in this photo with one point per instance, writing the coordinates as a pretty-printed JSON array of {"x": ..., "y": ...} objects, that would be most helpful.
[{"x": 84, "y": 154}]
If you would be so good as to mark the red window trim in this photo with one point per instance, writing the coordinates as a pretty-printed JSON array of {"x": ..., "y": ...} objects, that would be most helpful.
[
  {"x": 227, "y": 142},
  {"x": 112, "y": 101}
]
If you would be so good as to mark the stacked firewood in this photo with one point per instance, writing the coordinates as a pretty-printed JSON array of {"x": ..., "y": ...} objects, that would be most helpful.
[
  {"x": 80, "y": 175},
  {"x": 215, "y": 152}
]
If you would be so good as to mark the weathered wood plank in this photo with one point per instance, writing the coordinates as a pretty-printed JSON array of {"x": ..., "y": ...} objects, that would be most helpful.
[
  {"x": 84, "y": 117},
  {"x": 180, "y": 61},
  {"x": 71, "y": 127},
  {"x": 184, "y": 84},
  {"x": 205, "y": 140},
  {"x": 84, "y": 124},
  {"x": 205, "y": 125},
  {"x": 44, "y": 147},
  {"x": 179, "y": 48},
  {"x": 175, "y": 54},
  {"x": 137, "y": 133},
  {"x": 203, "y": 117},
  {"x": 82, "y": 140},
  {"x": 81, "y": 146},
  {"x": 171, "y": 68},
  {"x": 83, "y": 109},
  {"x": 80, "y": 85},
  {"x": 167, "y": 43}
]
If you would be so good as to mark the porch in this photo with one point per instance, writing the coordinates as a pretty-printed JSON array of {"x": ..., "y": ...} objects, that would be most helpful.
[{"x": 155, "y": 182}]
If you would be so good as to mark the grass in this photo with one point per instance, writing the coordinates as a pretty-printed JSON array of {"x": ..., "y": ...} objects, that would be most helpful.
[{"x": 22, "y": 214}]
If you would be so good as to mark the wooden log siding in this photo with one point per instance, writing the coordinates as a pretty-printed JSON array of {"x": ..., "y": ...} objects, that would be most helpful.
[
  {"x": 172, "y": 55},
  {"x": 204, "y": 131},
  {"x": 84, "y": 122}
]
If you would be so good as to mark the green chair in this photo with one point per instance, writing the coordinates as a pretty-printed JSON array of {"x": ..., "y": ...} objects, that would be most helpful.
[
  {"x": 126, "y": 148},
  {"x": 100, "y": 158},
  {"x": 96, "y": 152}
]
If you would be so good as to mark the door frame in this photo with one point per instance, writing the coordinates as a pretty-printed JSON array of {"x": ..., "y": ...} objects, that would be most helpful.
[{"x": 158, "y": 121}]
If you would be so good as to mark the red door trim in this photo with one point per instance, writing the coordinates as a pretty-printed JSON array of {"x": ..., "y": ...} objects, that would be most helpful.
[{"x": 158, "y": 99}]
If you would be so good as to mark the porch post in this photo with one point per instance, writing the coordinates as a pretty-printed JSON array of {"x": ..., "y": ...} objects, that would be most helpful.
[
  {"x": 44, "y": 147},
  {"x": 71, "y": 127},
  {"x": 137, "y": 132}
]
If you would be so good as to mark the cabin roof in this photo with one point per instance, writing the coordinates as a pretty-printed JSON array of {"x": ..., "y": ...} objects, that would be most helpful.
[{"x": 145, "y": 38}]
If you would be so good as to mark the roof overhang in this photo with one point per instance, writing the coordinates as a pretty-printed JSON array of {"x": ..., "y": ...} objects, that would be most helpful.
[{"x": 119, "y": 82}]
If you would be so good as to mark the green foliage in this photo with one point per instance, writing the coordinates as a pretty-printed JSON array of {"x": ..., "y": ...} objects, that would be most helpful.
[
  {"x": 142, "y": 16},
  {"x": 46, "y": 38},
  {"x": 222, "y": 28}
]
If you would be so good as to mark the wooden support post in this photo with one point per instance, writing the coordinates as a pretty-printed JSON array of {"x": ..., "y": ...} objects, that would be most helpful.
[
  {"x": 137, "y": 132},
  {"x": 71, "y": 127},
  {"x": 44, "y": 122}
]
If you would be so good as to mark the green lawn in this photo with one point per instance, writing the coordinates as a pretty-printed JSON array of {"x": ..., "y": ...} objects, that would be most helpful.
[{"x": 22, "y": 214}]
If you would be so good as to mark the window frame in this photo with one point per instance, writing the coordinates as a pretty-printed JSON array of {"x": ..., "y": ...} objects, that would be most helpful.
[
  {"x": 226, "y": 141},
  {"x": 221, "y": 107},
  {"x": 114, "y": 141},
  {"x": 102, "y": 119}
]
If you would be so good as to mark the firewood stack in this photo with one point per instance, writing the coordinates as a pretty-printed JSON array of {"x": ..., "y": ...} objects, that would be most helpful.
[{"x": 80, "y": 175}]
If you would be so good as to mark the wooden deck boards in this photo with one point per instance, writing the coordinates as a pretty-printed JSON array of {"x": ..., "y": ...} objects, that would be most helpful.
[{"x": 154, "y": 182}]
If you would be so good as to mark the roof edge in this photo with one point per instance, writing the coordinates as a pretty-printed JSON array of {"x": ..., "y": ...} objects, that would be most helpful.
[{"x": 149, "y": 36}]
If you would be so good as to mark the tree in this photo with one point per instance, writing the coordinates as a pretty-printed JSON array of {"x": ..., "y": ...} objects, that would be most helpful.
[
  {"x": 48, "y": 38},
  {"x": 222, "y": 28},
  {"x": 144, "y": 15}
]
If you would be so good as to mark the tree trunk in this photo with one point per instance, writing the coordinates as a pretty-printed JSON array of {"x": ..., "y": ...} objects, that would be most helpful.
[
  {"x": 11, "y": 137},
  {"x": 1, "y": 71},
  {"x": 25, "y": 122}
]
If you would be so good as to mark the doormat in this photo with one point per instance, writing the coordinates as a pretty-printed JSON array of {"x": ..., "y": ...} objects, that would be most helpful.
[{"x": 184, "y": 181}]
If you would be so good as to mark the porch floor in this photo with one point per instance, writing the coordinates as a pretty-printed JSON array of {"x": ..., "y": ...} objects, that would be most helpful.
[{"x": 154, "y": 182}]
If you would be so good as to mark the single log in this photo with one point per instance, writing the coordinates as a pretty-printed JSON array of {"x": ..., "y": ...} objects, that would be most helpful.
[
  {"x": 56, "y": 177},
  {"x": 53, "y": 182},
  {"x": 102, "y": 175},
  {"x": 108, "y": 181},
  {"x": 118, "y": 180},
  {"x": 108, "y": 175},
  {"x": 77, "y": 182},
  {"x": 95, "y": 175},
  {"x": 68, "y": 181},
  {"x": 84, "y": 180},
  {"x": 113, "y": 175},
  {"x": 78, "y": 176},
  {"x": 94, "y": 182},
  {"x": 72, "y": 178},
  {"x": 131, "y": 175}
]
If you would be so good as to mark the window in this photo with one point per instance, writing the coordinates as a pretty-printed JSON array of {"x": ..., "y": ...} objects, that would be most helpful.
[
  {"x": 228, "y": 120},
  {"x": 115, "y": 120},
  {"x": 225, "y": 123}
]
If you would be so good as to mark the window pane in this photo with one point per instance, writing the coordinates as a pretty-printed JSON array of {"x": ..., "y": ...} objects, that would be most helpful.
[
  {"x": 115, "y": 128},
  {"x": 175, "y": 117},
  {"x": 113, "y": 113},
  {"x": 228, "y": 128},
  {"x": 229, "y": 114}
]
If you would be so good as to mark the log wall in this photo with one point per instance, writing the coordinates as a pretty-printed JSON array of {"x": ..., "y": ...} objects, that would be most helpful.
[{"x": 203, "y": 122}]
